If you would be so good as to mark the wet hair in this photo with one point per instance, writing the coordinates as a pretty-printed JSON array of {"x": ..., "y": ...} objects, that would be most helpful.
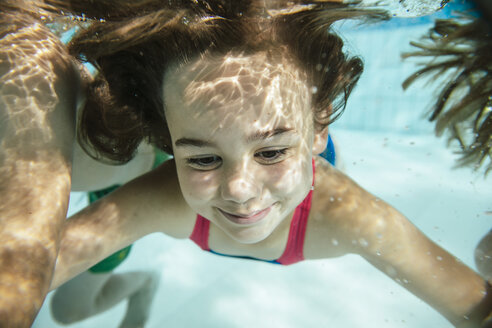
[
  {"x": 133, "y": 43},
  {"x": 461, "y": 50}
]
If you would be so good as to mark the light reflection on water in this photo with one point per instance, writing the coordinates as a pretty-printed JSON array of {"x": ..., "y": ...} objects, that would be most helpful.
[{"x": 388, "y": 148}]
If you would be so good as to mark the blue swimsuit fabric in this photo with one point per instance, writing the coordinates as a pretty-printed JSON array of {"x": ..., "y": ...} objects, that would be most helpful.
[{"x": 329, "y": 152}]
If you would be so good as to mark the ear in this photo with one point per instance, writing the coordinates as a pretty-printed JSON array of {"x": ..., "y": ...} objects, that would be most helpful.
[{"x": 320, "y": 141}]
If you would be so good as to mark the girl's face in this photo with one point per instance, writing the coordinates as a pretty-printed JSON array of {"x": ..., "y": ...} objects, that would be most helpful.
[{"x": 243, "y": 140}]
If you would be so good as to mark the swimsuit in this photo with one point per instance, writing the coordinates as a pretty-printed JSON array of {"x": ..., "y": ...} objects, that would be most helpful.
[
  {"x": 329, "y": 152},
  {"x": 115, "y": 259},
  {"x": 293, "y": 252}
]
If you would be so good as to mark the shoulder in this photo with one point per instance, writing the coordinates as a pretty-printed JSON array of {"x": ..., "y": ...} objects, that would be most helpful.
[
  {"x": 344, "y": 217},
  {"x": 337, "y": 197}
]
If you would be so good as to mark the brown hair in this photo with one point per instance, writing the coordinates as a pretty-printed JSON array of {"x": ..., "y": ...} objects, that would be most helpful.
[
  {"x": 133, "y": 43},
  {"x": 462, "y": 48}
]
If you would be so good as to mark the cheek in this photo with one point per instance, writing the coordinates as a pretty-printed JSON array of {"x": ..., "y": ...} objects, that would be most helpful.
[
  {"x": 291, "y": 178},
  {"x": 197, "y": 187}
]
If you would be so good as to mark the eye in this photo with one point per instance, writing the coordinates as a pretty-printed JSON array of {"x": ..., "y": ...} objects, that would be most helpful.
[
  {"x": 204, "y": 163},
  {"x": 271, "y": 156}
]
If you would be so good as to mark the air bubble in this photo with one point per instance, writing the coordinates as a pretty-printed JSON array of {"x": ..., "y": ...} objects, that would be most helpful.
[
  {"x": 314, "y": 90},
  {"x": 390, "y": 271},
  {"x": 334, "y": 242}
]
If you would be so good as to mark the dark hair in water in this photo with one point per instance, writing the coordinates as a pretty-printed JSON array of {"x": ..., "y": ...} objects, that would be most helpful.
[
  {"x": 133, "y": 43},
  {"x": 461, "y": 48}
]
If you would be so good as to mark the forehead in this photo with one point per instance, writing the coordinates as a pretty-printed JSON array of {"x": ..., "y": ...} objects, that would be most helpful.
[{"x": 266, "y": 91}]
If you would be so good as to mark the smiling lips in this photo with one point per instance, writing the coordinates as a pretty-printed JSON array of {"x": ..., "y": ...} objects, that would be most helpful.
[{"x": 247, "y": 219}]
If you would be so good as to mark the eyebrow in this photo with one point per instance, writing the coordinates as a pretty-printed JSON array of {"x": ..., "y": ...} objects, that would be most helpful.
[{"x": 260, "y": 135}]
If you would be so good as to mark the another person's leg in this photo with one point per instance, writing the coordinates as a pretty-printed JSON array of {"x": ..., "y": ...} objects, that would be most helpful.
[
  {"x": 140, "y": 301},
  {"x": 89, "y": 294},
  {"x": 74, "y": 300}
]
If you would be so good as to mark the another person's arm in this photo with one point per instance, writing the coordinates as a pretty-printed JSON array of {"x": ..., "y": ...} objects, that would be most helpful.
[{"x": 39, "y": 88}]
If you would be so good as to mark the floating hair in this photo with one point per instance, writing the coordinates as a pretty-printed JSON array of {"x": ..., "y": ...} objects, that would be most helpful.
[
  {"x": 132, "y": 43},
  {"x": 461, "y": 50}
]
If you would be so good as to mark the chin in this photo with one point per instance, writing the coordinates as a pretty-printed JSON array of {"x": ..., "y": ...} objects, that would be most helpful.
[{"x": 249, "y": 237}]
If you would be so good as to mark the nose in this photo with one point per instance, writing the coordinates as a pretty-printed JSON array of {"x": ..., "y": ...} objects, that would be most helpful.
[{"x": 240, "y": 185}]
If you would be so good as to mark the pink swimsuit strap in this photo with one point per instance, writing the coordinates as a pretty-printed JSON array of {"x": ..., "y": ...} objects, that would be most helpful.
[
  {"x": 293, "y": 252},
  {"x": 200, "y": 232}
]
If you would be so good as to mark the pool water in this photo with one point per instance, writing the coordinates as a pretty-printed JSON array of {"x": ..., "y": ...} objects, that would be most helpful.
[{"x": 384, "y": 144}]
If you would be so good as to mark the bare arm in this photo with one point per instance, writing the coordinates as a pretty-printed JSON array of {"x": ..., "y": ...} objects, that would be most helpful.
[
  {"x": 150, "y": 203},
  {"x": 38, "y": 91},
  {"x": 366, "y": 225},
  {"x": 407, "y": 256},
  {"x": 396, "y": 247}
]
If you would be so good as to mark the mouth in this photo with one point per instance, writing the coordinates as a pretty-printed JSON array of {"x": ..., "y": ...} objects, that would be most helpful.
[{"x": 244, "y": 219}]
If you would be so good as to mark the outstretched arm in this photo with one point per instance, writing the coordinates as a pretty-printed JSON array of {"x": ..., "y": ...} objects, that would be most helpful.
[
  {"x": 38, "y": 95},
  {"x": 150, "y": 203},
  {"x": 425, "y": 269},
  {"x": 390, "y": 242},
  {"x": 400, "y": 250}
]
